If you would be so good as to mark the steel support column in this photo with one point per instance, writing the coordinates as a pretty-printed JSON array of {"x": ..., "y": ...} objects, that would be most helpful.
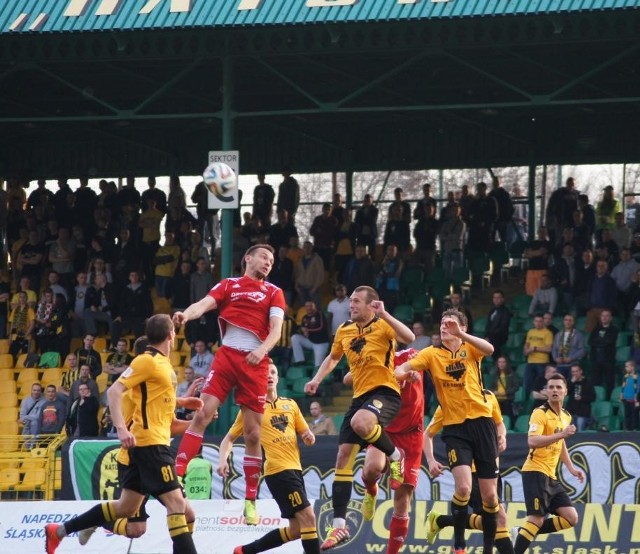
[{"x": 226, "y": 246}]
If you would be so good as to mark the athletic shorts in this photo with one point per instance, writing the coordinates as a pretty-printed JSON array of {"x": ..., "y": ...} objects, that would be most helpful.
[
  {"x": 543, "y": 495},
  {"x": 141, "y": 514},
  {"x": 230, "y": 369},
  {"x": 473, "y": 440},
  {"x": 287, "y": 489},
  {"x": 476, "y": 499},
  {"x": 151, "y": 471},
  {"x": 411, "y": 443},
  {"x": 382, "y": 401}
]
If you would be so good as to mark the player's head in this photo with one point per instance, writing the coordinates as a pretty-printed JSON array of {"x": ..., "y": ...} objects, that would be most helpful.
[
  {"x": 360, "y": 303},
  {"x": 272, "y": 377},
  {"x": 258, "y": 261},
  {"x": 159, "y": 328},
  {"x": 452, "y": 314},
  {"x": 557, "y": 387}
]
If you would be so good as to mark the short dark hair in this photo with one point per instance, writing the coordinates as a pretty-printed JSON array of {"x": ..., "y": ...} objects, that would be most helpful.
[
  {"x": 371, "y": 293},
  {"x": 158, "y": 328},
  {"x": 558, "y": 377},
  {"x": 252, "y": 249},
  {"x": 140, "y": 345},
  {"x": 460, "y": 316}
]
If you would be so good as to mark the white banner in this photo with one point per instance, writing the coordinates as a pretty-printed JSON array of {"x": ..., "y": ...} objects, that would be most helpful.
[{"x": 218, "y": 522}]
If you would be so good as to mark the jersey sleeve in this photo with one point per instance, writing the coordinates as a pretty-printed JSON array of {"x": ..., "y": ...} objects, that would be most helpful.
[
  {"x": 536, "y": 423},
  {"x": 138, "y": 371},
  {"x": 496, "y": 413},
  {"x": 475, "y": 353},
  {"x": 277, "y": 299},
  {"x": 435, "y": 425},
  {"x": 548, "y": 339},
  {"x": 299, "y": 421},
  {"x": 336, "y": 347},
  {"x": 421, "y": 361},
  {"x": 218, "y": 292},
  {"x": 236, "y": 429}
]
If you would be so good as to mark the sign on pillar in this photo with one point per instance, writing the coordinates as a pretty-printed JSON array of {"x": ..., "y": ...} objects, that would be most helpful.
[{"x": 230, "y": 199}]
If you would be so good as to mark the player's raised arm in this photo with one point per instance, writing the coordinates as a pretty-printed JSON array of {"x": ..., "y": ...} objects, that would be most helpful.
[
  {"x": 326, "y": 367},
  {"x": 195, "y": 311},
  {"x": 403, "y": 333},
  {"x": 452, "y": 326}
]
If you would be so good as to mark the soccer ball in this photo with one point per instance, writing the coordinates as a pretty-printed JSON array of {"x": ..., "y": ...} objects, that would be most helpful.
[{"x": 219, "y": 178}]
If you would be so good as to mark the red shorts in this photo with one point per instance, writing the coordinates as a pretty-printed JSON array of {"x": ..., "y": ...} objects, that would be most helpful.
[
  {"x": 411, "y": 443},
  {"x": 230, "y": 369}
]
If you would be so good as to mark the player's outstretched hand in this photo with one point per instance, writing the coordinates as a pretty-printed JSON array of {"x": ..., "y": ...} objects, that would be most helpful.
[
  {"x": 308, "y": 438},
  {"x": 126, "y": 438},
  {"x": 311, "y": 388},
  {"x": 179, "y": 319}
]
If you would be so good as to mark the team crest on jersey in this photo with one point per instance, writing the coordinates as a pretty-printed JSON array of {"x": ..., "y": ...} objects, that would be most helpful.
[
  {"x": 357, "y": 344},
  {"x": 456, "y": 370},
  {"x": 463, "y": 354},
  {"x": 354, "y": 522},
  {"x": 280, "y": 422}
]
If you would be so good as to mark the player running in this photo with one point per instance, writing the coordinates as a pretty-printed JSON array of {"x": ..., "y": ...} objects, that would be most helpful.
[
  {"x": 469, "y": 432},
  {"x": 251, "y": 312},
  {"x": 368, "y": 340},
  {"x": 148, "y": 469},
  {"x": 437, "y": 521},
  {"x": 281, "y": 425},
  {"x": 549, "y": 426}
]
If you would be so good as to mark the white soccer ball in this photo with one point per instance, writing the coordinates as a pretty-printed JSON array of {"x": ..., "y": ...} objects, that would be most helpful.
[{"x": 220, "y": 178}]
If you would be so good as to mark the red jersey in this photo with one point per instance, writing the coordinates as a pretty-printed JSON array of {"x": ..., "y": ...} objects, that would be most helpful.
[
  {"x": 246, "y": 304},
  {"x": 410, "y": 417}
]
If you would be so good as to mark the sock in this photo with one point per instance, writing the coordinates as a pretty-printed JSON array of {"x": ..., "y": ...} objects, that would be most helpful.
[
  {"x": 309, "y": 537},
  {"x": 459, "y": 507},
  {"x": 397, "y": 533},
  {"x": 503, "y": 542},
  {"x": 94, "y": 517},
  {"x": 527, "y": 533},
  {"x": 489, "y": 525},
  {"x": 273, "y": 539},
  {"x": 381, "y": 441},
  {"x": 252, "y": 467},
  {"x": 191, "y": 526},
  {"x": 180, "y": 536},
  {"x": 371, "y": 485},
  {"x": 444, "y": 521},
  {"x": 120, "y": 526},
  {"x": 475, "y": 522},
  {"x": 553, "y": 524},
  {"x": 341, "y": 492},
  {"x": 189, "y": 448},
  {"x": 339, "y": 523}
]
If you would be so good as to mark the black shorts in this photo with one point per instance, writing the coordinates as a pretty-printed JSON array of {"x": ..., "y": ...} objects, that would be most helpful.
[
  {"x": 141, "y": 514},
  {"x": 543, "y": 495},
  {"x": 476, "y": 499},
  {"x": 474, "y": 440},
  {"x": 382, "y": 401},
  {"x": 151, "y": 471},
  {"x": 287, "y": 489}
]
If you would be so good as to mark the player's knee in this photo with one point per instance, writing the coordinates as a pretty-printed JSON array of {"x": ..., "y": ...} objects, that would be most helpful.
[
  {"x": 463, "y": 490},
  {"x": 572, "y": 517},
  {"x": 136, "y": 530},
  {"x": 361, "y": 426},
  {"x": 402, "y": 501},
  {"x": 252, "y": 436}
]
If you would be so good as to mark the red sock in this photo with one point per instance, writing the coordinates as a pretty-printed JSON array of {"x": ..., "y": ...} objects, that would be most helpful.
[
  {"x": 189, "y": 448},
  {"x": 371, "y": 486},
  {"x": 397, "y": 533},
  {"x": 251, "y": 467}
]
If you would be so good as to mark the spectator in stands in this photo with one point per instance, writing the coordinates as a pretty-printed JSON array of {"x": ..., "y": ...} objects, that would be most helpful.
[
  {"x": 30, "y": 410},
  {"x": 82, "y": 420},
  {"x": 339, "y": 309},
  {"x": 87, "y": 355},
  {"x": 539, "y": 392},
  {"x": 621, "y": 233},
  {"x": 5, "y": 293},
  {"x": 289, "y": 195},
  {"x": 52, "y": 413},
  {"x": 456, "y": 302},
  {"x": 568, "y": 347},
  {"x": 154, "y": 193},
  {"x": 608, "y": 249},
  {"x": 205, "y": 328},
  {"x": 606, "y": 210},
  {"x": 537, "y": 348},
  {"x": 634, "y": 303},
  {"x": 580, "y": 395},
  {"x": 134, "y": 307},
  {"x": 324, "y": 230},
  {"x": 421, "y": 341},
  {"x": 21, "y": 327},
  {"x": 360, "y": 270},
  {"x": 397, "y": 232},
  {"x": 425, "y": 234},
  {"x": 166, "y": 262},
  {"x": 585, "y": 272},
  {"x": 319, "y": 423},
  {"x": 537, "y": 252},
  {"x": 482, "y": 220},
  {"x": 53, "y": 282},
  {"x": 282, "y": 275},
  {"x": 603, "y": 340},
  {"x": 205, "y": 216},
  {"x": 32, "y": 297},
  {"x": 562, "y": 203},
  {"x": 345, "y": 245},
  {"x": 623, "y": 274},
  {"x": 588, "y": 211},
  {"x": 313, "y": 335},
  {"x": 117, "y": 361},
  {"x": 452, "y": 233},
  {"x": 190, "y": 378},
  {"x": 630, "y": 397},
  {"x": 421, "y": 210},
  {"x": 78, "y": 304},
  {"x": 59, "y": 335},
  {"x": 309, "y": 275},
  {"x": 582, "y": 233},
  {"x": 98, "y": 266},
  {"x": 366, "y": 221},
  {"x": 263, "y": 196},
  {"x": 61, "y": 256},
  {"x": 149, "y": 223},
  {"x": 564, "y": 274},
  {"x": 505, "y": 207},
  {"x": 497, "y": 330},
  {"x": 31, "y": 258},
  {"x": 388, "y": 278},
  {"x": 601, "y": 294},
  {"x": 503, "y": 382},
  {"x": 101, "y": 305},
  {"x": 548, "y": 323},
  {"x": 281, "y": 232},
  {"x": 545, "y": 299},
  {"x": 126, "y": 256},
  {"x": 69, "y": 376},
  {"x": 42, "y": 322},
  {"x": 41, "y": 196},
  {"x": 180, "y": 287},
  {"x": 84, "y": 378},
  {"x": 281, "y": 352},
  {"x": 202, "y": 359}
]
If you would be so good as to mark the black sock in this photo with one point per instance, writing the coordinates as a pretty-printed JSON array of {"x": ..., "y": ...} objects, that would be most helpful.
[
  {"x": 459, "y": 511},
  {"x": 310, "y": 543},
  {"x": 554, "y": 524},
  {"x": 527, "y": 533},
  {"x": 503, "y": 542},
  {"x": 94, "y": 517},
  {"x": 444, "y": 521},
  {"x": 341, "y": 492},
  {"x": 272, "y": 539},
  {"x": 380, "y": 440},
  {"x": 489, "y": 525},
  {"x": 180, "y": 536}
]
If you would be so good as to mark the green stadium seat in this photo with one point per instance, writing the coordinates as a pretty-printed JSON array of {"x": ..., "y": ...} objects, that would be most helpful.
[
  {"x": 480, "y": 326},
  {"x": 601, "y": 412},
  {"x": 623, "y": 354},
  {"x": 522, "y": 424},
  {"x": 601, "y": 393}
]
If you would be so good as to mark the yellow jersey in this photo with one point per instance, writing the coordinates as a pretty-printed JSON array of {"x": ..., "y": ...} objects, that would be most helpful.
[
  {"x": 435, "y": 425},
  {"x": 281, "y": 423},
  {"x": 370, "y": 351},
  {"x": 544, "y": 421},
  {"x": 151, "y": 382},
  {"x": 457, "y": 380},
  {"x": 539, "y": 338}
]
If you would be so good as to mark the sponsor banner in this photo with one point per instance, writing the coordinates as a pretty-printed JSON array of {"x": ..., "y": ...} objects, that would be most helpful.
[
  {"x": 219, "y": 528},
  {"x": 611, "y": 462}
]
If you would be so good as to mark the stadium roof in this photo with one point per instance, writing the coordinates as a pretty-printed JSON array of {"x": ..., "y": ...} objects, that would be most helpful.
[{"x": 346, "y": 85}]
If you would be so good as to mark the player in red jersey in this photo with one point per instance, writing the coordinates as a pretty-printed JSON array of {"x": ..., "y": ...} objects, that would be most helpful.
[
  {"x": 406, "y": 432},
  {"x": 251, "y": 312}
]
